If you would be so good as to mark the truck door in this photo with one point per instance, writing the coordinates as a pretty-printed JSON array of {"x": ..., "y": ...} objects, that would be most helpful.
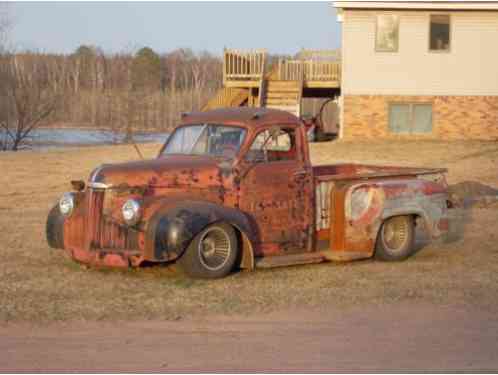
[{"x": 274, "y": 190}]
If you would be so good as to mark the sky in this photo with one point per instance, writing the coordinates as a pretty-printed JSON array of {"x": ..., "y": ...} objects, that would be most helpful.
[{"x": 280, "y": 27}]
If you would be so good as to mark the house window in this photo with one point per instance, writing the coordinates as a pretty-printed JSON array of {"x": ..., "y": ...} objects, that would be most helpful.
[
  {"x": 410, "y": 118},
  {"x": 439, "y": 38},
  {"x": 386, "y": 37}
]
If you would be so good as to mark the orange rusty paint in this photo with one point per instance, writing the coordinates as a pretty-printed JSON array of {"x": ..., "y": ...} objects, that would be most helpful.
[
  {"x": 338, "y": 225},
  {"x": 274, "y": 202},
  {"x": 323, "y": 234},
  {"x": 102, "y": 259}
]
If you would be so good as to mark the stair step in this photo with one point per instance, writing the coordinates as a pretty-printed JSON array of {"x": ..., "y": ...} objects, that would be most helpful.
[
  {"x": 287, "y": 108},
  {"x": 282, "y": 90},
  {"x": 285, "y": 95},
  {"x": 274, "y": 83},
  {"x": 281, "y": 101},
  {"x": 283, "y": 106}
]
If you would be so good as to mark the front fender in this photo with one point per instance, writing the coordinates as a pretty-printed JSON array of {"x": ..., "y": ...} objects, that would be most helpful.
[{"x": 173, "y": 226}]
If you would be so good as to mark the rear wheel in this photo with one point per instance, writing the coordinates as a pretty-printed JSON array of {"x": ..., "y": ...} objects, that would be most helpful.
[
  {"x": 212, "y": 253},
  {"x": 396, "y": 239}
]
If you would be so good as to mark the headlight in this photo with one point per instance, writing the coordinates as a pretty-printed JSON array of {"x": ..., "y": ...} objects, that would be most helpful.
[
  {"x": 360, "y": 202},
  {"x": 131, "y": 211},
  {"x": 66, "y": 204}
]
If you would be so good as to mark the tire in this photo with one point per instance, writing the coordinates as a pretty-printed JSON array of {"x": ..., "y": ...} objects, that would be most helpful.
[
  {"x": 54, "y": 228},
  {"x": 212, "y": 253},
  {"x": 396, "y": 238}
]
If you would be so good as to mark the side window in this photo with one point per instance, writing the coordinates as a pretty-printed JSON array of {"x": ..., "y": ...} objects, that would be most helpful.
[
  {"x": 274, "y": 144},
  {"x": 387, "y": 32},
  {"x": 439, "y": 33}
]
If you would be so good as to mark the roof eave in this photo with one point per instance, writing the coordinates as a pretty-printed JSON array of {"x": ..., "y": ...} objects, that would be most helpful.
[{"x": 435, "y": 5}]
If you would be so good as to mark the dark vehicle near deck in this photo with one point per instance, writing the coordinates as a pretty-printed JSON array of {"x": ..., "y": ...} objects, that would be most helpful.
[{"x": 235, "y": 188}]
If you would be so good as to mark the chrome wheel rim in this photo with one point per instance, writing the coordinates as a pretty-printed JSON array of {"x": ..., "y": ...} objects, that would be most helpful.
[
  {"x": 214, "y": 249},
  {"x": 395, "y": 234}
]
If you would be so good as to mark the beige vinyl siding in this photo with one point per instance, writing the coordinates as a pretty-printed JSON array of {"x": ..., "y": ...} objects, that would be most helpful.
[{"x": 469, "y": 68}]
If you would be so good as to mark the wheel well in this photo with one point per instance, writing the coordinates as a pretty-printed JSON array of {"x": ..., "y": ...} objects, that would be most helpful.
[{"x": 246, "y": 255}]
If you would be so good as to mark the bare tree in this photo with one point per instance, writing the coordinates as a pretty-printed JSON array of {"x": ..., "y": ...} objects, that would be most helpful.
[
  {"x": 28, "y": 98},
  {"x": 117, "y": 92}
]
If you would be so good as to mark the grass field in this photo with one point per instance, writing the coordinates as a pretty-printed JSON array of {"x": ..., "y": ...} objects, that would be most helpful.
[{"x": 39, "y": 284}]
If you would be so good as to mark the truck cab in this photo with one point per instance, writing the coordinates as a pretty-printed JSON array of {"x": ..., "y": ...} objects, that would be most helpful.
[{"x": 235, "y": 188}]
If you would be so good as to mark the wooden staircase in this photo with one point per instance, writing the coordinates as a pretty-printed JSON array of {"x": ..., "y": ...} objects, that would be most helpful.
[
  {"x": 282, "y": 95},
  {"x": 227, "y": 97}
]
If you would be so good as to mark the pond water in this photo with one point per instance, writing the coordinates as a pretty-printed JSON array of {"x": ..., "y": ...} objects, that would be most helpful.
[{"x": 56, "y": 138}]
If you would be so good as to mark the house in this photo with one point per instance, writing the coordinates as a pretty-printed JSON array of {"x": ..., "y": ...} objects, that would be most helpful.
[{"x": 419, "y": 69}]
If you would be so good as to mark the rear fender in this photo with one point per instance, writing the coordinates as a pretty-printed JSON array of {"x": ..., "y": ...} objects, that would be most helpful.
[
  {"x": 173, "y": 226},
  {"x": 432, "y": 210},
  {"x": 417, "y": 197}
]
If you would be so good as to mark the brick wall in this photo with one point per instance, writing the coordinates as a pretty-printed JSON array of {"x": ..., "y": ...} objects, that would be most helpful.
[{"x": 453, "y": 117}]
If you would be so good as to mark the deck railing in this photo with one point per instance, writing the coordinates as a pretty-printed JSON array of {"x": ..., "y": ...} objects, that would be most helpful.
[
  {"x": 311, "y": 54},
  {"x": 243, "y": 65},
  {"x": 246, "y": 68},
  {"x": 308, "y": 70}
]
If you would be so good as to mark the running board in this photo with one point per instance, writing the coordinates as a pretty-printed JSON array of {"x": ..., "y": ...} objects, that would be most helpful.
[
  {"x": 308, "y": 258},
  {"x": 288, "y": 260},
  {"x": 344, "y": 256}
]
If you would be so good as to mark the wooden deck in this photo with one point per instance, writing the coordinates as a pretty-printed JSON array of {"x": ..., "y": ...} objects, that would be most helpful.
[
  {"x": 313, "y": 68},
  {"x": 249, "y": 76}
]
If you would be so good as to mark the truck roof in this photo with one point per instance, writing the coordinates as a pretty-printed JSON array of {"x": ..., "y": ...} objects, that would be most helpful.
[{"x": 245, "y": 116}]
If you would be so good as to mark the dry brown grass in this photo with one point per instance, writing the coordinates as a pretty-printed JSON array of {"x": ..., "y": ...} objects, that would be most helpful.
[{"x": 39, "y": 284}]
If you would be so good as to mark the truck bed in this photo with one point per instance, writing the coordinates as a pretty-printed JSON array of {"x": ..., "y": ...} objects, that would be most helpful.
[
  {"x": 326, "y": 175},
  {"x": 350, "y": 171}
]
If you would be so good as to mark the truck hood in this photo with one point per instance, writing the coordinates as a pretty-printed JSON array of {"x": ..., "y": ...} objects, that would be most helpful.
[{"x": 168, "y": 171}]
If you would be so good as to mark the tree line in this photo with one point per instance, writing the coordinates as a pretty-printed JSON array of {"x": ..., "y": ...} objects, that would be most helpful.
[{"x": 89, "y": 88}]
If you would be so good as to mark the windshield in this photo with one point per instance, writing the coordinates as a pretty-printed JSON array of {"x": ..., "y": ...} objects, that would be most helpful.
[{"x": 206, "y": 139}]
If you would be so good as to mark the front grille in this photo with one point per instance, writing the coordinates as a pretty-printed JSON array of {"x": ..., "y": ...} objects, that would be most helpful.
[{"x": 103, "y": 232}]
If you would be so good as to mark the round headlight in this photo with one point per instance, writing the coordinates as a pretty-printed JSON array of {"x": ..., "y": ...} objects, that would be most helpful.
[
  {"x": 360, "y": 202},
  {"x": 131, "y": 211},
  {"x": 66, "y": 204}
]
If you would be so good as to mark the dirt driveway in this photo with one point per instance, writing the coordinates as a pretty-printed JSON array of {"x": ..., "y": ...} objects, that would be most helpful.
[{"x": 400, "y": 338}]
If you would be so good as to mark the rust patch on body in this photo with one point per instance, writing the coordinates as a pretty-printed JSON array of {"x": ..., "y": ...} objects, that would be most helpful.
[{"x": 280, "y": 206}]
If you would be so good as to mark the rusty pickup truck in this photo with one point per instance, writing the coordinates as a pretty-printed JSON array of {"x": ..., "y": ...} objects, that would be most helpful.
[{"x": 235, "y": 189}]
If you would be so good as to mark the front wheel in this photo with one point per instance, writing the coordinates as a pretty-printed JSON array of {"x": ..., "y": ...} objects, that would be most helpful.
[
  {"x": 395, "y": 240},
  {"x": 212, "y": 253},
  {"x": 54, "y": 228}
]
